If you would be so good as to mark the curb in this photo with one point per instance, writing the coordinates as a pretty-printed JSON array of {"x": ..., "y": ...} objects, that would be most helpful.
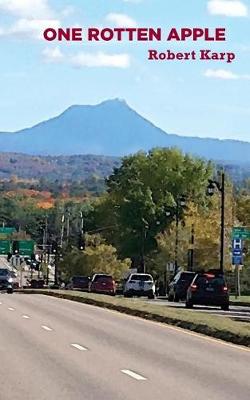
[
  {"x": 198, "y": 328},
  {"x": 239, "y": 303}
]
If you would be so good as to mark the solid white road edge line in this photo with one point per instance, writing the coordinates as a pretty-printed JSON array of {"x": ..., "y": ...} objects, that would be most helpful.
[
  {"x": 46, "y": 328},
  {"x": 78, "y": 347},
  {"x": 11, "y": 309},
  {"x": 133, "y": 375}
]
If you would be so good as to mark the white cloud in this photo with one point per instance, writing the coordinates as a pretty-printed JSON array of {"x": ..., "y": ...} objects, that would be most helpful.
[
  {"x": 29, "y": 28},
  {"x": 228, "y": 8},
  {"x": 224, "y": 74},
  {"x": 100, "y": 59},
  {"x": 31, "y": 17},
  {"x": 83, "y": 59},
  {"x": 34, "y": 9},
  {"x": 53, "y": 55},
  {"x": 121, "y": 20}
]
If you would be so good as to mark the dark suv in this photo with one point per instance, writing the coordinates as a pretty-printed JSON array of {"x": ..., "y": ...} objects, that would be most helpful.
[
  {"x": 208, "y": 289},
  {"x": 78, "y": 283},
  {"x": 177, "y": 289},
  {"x": 6, "y": 280}
]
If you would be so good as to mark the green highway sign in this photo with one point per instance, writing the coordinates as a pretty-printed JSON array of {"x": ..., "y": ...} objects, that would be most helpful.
[
  {"x": 7, "y": 231},
  {"x": 26, "y": 247},
  {"x": 5, "y": 247},
  {"x": 241, "y": 233}
]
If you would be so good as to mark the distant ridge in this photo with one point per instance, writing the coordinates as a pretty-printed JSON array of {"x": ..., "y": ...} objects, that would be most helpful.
[{"x": 112, "y": 128}]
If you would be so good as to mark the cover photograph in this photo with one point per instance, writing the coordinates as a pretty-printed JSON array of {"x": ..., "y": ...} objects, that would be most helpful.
[{"x": 124, "y": 199}]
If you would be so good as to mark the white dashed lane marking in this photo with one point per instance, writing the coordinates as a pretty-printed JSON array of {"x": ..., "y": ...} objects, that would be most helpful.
[
  {"x": 11, "y": 309},
  {"x": 78, "y": 347},
  {"x": 25, "y": 317},
  {"x": 133, "y": 375},
  {"x": 46, "y": 328}
]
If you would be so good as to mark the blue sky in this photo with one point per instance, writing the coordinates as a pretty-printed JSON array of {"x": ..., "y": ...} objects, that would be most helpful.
[{"x": 39, "y": 80}]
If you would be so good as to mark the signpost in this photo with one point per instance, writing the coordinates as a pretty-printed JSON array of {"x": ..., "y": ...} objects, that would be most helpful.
[
  {"x": 242, "y": 233},
  {"x": 238, "y": 235}
]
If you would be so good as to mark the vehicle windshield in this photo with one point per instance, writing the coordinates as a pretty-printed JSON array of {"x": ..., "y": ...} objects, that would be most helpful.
[
  {"x": 103, "y": 278},
  {"x": 141, "y": 278}
]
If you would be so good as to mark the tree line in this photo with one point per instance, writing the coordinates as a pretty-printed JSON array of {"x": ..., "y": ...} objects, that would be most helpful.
[{"x": 133, "y": 223}]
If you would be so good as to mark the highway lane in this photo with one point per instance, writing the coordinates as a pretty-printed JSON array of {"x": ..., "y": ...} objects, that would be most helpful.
[{"x": 52, "y": 348}]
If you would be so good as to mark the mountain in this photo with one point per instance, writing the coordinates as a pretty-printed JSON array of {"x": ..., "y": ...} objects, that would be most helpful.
[{"x": 112, "y": 128}]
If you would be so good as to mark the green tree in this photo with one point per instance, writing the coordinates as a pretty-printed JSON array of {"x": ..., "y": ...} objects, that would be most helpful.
[
  {"x": 146, "y": 189},
  {"x": 98, "y": 257}
]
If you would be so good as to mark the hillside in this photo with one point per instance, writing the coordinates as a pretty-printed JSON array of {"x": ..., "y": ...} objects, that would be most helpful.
[
  {"x": 79, "y": 168},
  {"x": 62, "y": 168},
  {"x": 112, "y": 128}
]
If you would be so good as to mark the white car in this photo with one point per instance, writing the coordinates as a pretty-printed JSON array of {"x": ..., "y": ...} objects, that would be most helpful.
[{"x": 140, "y": 285}]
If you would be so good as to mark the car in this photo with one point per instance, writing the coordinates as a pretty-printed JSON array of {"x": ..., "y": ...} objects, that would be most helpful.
[
  {"x": 78, "y": 282},
  {"x": 208, "y": 289},
  {"x": 140, "y": 285},
  {"x": 6, "y": 280},
  {"x": 178, "y": 287},
  {"x": 103, "y": 284},
  {"x": 15, "y": 278}
]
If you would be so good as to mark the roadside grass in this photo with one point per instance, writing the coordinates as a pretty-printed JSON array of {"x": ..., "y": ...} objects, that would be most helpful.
[
  {"x": 245, "y": 299},
  {"x": 212, "y": 325}
]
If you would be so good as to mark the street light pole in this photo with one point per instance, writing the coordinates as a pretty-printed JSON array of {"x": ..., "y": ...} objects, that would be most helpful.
[
  {"x": 210, "y": 192},
  {"x": 222, "y": 231},
  {"x": 176, "y": 239},
  {"x": 181, "y": 202}
]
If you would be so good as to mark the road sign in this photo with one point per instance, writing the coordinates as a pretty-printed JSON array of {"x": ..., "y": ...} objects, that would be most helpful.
[
  {"x": 237, "y": 252},
  {"x": 237, "y": 260},
  {"x": 26, "y": 247},
  {"x": 241, "y": 233},
  {"x": 7, "y": 231},
  {"x": 5, "y": 247},
  {"x": 237, "y": 256}
]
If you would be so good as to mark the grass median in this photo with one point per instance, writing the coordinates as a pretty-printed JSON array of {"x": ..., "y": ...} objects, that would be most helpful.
[
  {"x": 212, "y": 325},
  {"x": 241, "y": 301}
]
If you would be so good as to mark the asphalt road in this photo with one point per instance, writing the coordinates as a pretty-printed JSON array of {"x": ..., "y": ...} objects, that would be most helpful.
[
  {"x": 57, "y": 349},
  {"x": 239, "y": 313}
]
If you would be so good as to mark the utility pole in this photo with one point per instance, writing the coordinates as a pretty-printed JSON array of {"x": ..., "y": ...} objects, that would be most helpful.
[
  {"x": 176, "y": 252},
  {"x": 62, "y": 229},
  {"x": 191, "y": 251},
  {"x": 68, "y": 226}
]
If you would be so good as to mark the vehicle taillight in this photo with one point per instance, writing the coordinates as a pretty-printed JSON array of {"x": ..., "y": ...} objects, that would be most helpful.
[{"x": 193, "y": 288}]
